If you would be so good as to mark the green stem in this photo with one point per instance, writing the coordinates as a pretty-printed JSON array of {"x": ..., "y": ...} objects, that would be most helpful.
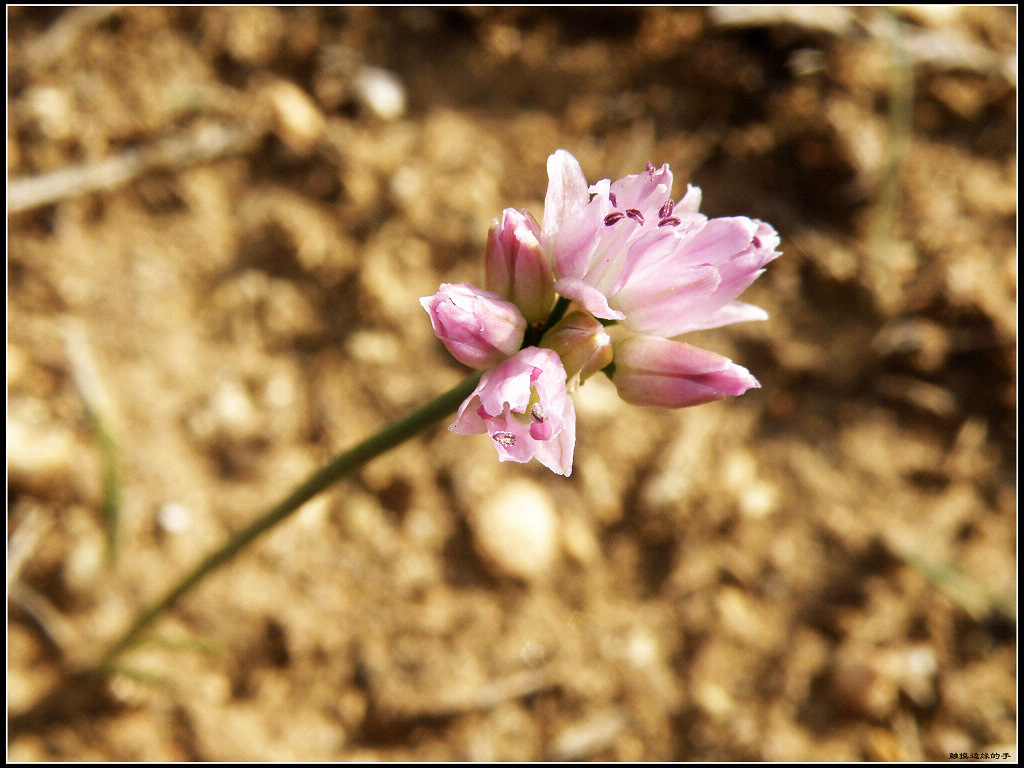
[
  {"x": 556, "y": 314},
  {"x": 391, "y": 436}
]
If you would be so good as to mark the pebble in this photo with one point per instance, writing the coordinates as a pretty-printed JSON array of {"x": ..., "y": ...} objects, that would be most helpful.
[
  {"x": 229, "y": 414},
  {"x": 40, "y": 457},
  {"x": 381, "y": 92},
  {"x": 589, "y": 736},
  {"x": 233, "y": 409},
  {"x": 83, "y": 566},
  {"x": 862, "y": 685},
  {"x": 300, "y": 123},
  {"x": 174, "y": 518},
  {"x": 516, "y": 530}
]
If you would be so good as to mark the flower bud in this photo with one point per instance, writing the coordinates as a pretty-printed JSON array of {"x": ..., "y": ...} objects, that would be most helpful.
[
  {"x": 669, "y": 374},
  {"x": 582, "y": 344},
  {"x": 516, "y": 267},
  {"x": 478, "y": 327}
]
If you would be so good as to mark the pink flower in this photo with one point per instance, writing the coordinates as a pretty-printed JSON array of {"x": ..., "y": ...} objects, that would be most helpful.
[
  {"x": 626, "y": 251},
  {"x": 668, "y": 374},
  {"x": 522, "y": 404},
  {"x": 478, "y": 327},
  {"x": 516, "y": 266}
]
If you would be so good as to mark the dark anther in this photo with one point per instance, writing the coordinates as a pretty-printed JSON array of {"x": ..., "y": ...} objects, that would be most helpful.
[
  {"x": 636, "y": 216},
  {"x": 613, "y": 217},
  {"x": 757, "y": 241},
  {"x": 615, "y": 203},
  {"x": 666, "y": 210},
  {"x": 670, "y": 221}
]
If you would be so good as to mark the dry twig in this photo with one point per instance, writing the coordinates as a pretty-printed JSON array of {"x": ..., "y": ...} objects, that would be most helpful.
[{"x": 208, "y": 143}]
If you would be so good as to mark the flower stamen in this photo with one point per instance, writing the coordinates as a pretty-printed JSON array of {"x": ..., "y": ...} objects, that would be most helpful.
[{"x": 635, "y": 215}]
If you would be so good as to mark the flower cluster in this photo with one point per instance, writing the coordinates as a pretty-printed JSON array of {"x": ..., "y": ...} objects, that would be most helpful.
[{"x": 621, "y": 254}]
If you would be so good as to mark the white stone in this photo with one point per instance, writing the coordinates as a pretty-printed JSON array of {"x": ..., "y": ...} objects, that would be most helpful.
[
  {"x": 381, "y": 92},
  {"x": 300, "y": 124},
  {"x": 174, "y": 518},
  {"x": 516, "y": 530}
]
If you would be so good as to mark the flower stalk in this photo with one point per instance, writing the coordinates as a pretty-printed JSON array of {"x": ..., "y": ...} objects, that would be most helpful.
[{"x": 391, "y": 436}]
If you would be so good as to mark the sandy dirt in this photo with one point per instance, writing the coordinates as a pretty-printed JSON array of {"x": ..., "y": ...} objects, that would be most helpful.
[{"x": 220, "y": 223}]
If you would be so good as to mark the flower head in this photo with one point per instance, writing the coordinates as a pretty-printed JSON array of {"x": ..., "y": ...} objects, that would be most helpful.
[
  {"x": 523, "y": 405},
  {"x": 478, "y": 327},
  {"x": 626, "y": 251}
]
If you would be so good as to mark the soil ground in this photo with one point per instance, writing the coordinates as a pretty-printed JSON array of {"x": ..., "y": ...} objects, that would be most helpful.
[{"x": 822, "y": 569}]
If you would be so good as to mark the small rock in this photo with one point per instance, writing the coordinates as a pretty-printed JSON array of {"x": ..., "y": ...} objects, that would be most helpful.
[
  {"x": 589, "y": 736},
  {"x": 516, "y": 530},
  {"x": 916, "y": 669},
  {"x": 41, "y": 457},
  {"x": 54, "y": 111},
  {"x": 83, "y": 565},
  {"x": 232, "y": 409},
  {"x": 300, "y": 124},
  {"x": 758, "y": 500},
  {"x": 174, "y": 518},
  {"x": 381, "y": 92},
  {"x": 533, "y": 654},
  {"x": 861, "y": 686}
]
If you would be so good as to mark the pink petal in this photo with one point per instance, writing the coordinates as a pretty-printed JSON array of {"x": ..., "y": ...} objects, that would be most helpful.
[
  {"x": 592, "y": 299},
  {"x": 720, "y": 239},
  {"x": 567, "y": 192},
  {"x": 557, "y": 454},
  {"x": 733, "y": 312},
  {"x": 655, "y": 307},
  {"x": 690, "y": 202},
  {"x": 468, "y": 421},
  {"x": 646, "y": 191},
  {"x": 657, "y": 372},
  {"x": 580, "y": 234}
]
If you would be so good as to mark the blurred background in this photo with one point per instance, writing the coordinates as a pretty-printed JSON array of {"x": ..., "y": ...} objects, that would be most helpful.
[{"x": 220, "y": 221}]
